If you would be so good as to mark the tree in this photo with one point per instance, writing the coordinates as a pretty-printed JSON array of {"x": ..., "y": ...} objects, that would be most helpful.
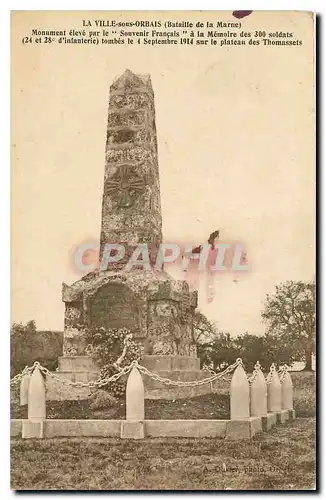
[
  {"x": 204, "y": 330},
  {"x": 19, "y": 328},
  {"x": 266, "y": 349},
  {"x": 250, "y": 348},
  {"x": 278, "y": 351},
  {"x": 290, "y": 315},
  {"x": 222, "y": 352}
]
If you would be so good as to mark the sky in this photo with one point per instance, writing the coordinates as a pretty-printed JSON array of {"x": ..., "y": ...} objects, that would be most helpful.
[{"x": 236, "y": 153}]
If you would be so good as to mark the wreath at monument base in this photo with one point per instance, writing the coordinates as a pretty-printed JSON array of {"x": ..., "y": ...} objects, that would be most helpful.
[{"x": 112, "y": 349}]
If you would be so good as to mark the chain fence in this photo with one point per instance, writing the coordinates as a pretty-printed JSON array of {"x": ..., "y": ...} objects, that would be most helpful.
[
  {"x": 256, "y": 371},
  {"x": 155, "y": 376},
  {"x": 282, "y": 372},
  {"x": 26, "y": 371},
  {"x": 194, "y": 383},
  {"x": 272, "y": 370},
  {"x": 124, "y": 371},
  {"x": 92, "y": 384}
]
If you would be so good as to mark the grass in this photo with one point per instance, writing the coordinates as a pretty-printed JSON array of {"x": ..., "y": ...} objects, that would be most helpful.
[{"x": 282, "y": 459}]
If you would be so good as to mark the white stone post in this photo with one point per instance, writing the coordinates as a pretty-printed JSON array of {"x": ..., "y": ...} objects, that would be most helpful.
[
  {"x": 258, "y": 394},
  {"x": 274, "y": 391},
  {"x": 33, "y": 427},
  {"x": 133, "y": 426},
  {"x": 135, "y": 406},
  {"x": 239, "y": 395},
  {"x": 23, "y": 391},
  {"x": 36, "y": 397},
  {"x": 287, "y": 392}
]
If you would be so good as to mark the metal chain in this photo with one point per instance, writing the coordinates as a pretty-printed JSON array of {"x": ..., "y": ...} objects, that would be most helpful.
[
  {"x": 212, "y": 372},
  {"x": 272, "y": 370},
  {"x": 96, "y": 383},
  {"x": 104, "y": 381},
  {"x": 257, "y": 369},
  {"x": 17, "y": 378},
  {"x": 282, "y": 372},
  {"x": 118, "y": 362},
  {"x": 194, "y": 383}
]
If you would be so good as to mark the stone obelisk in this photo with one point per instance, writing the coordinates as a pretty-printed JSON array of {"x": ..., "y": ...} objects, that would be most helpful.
[
  {"x": 154, "y": 307},
  {"x": 131, "y": 206}
]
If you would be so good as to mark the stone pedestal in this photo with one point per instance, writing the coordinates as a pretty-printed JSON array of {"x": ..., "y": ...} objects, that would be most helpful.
[
  {"x": 243, "y": 429},
  {"x": 132, "y": 430},
  {"x": 282, "y": 416},
  {"x": 268, "y": 421},
  {"x": 178, "y": 368},
  {"x": 154, "y": 307},
  {"x": 157, "y": 309},
  {"x": 82, "y": 368}
]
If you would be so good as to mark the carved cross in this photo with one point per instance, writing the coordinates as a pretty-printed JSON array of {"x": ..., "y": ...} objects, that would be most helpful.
[{"x": 124, "y": 185}]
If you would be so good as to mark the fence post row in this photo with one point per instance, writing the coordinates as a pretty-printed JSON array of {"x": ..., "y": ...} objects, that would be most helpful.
[
  {"x": 260, "y": 396},
  {"x": 256, "y": 398}
]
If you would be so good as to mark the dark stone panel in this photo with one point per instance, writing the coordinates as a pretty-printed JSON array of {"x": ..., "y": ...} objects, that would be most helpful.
[
  {"x": 125, "y": 118},
  {"x": 115, "y": 306},
  {"x": 73, "y": 314}
]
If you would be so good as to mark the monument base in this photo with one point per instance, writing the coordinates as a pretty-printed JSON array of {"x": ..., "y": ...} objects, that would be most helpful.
[
  {"x": 177, "y": 368},
  {"x": 156, "y": 309}
]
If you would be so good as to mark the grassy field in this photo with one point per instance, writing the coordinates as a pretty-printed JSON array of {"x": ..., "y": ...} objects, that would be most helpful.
[{"x": 282, "y": 459}]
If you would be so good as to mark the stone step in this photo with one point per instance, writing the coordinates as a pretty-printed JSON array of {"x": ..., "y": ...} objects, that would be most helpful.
[
  {"x": 57, "y": 391},
  {"x": 164, "y": 363},
  {"x": 154, "y": 389},
  {"x": 153, "y": 363},
  {"x": 158, "y": 390},
  {"x": 83, "y": 369},
  {"x": 170, "y": 392},
  {"x": 86, "y": 376},
  {"x": 180, "y": 375},
  {"x": 76, "y": 364}
]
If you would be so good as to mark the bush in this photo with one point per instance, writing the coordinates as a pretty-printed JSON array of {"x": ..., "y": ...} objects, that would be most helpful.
[
  {"x": 303, "y": 380},
  {"x": 112, "y": 349},
  {"x": 304, "y": 393},
  {"x": 27, "y": 347},
  {"x": 223, "y": 350},
  {"x": 304, "y": 402},
  {"x": 101, "y": 400}
]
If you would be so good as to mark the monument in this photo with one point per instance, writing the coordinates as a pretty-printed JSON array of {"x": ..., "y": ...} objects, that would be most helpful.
[{"x": 157, "y": 309}]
